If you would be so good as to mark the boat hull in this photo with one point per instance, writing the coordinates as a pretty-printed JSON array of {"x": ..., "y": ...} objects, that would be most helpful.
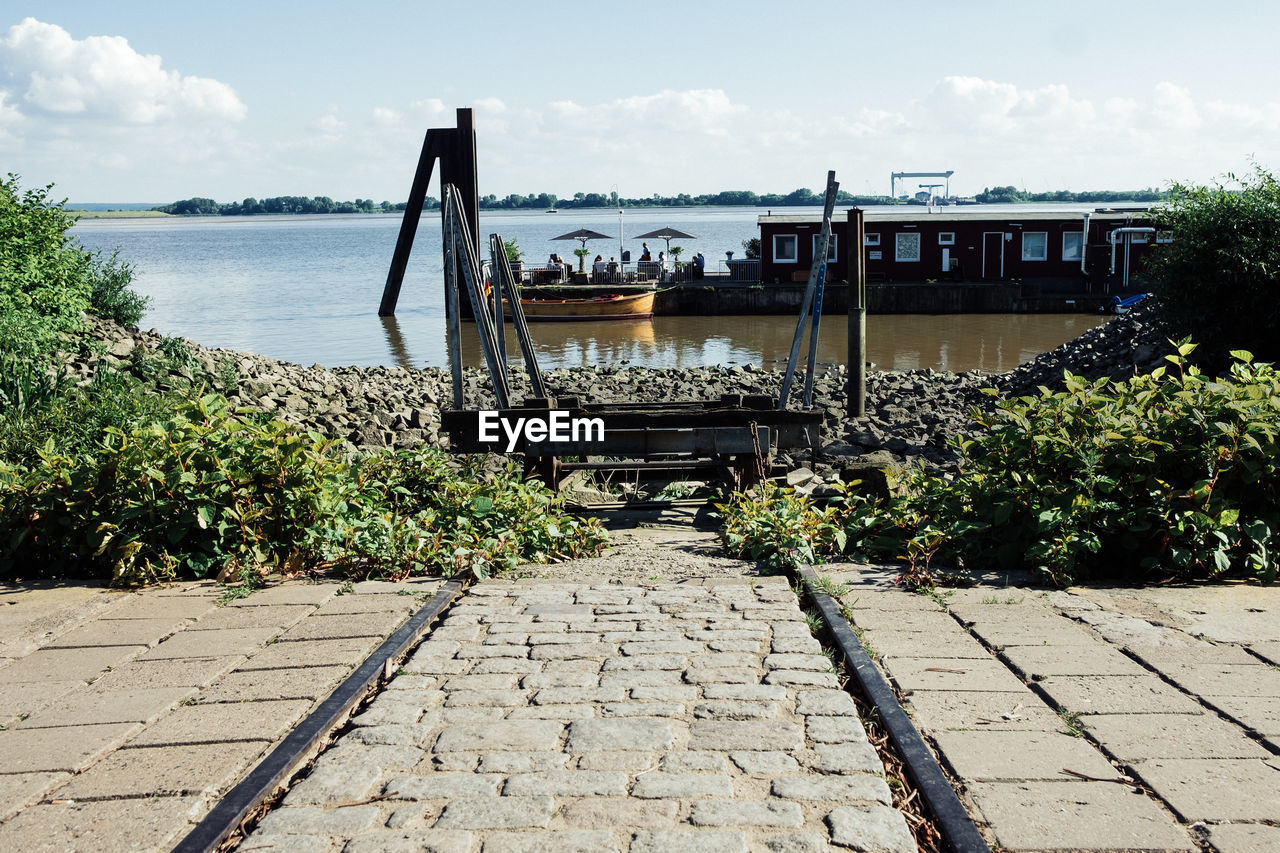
[{"x": 616, "y": 307}]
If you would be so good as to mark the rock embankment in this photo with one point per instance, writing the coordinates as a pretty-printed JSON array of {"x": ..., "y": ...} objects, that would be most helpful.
[{"x": 910, "y": 414}]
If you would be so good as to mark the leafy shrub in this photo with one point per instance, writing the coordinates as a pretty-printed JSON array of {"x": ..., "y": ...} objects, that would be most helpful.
[
  {"x": 74, "y": 418},
  {"x": 111, "y": 295},
  {"x": 47, "y": 280},
  {"x": 780, "y": 528},
  {"x": 27, "y": 387},
  {"x": 1220, "y": 277},
  {"x": 208, "y": 489},
  {"x": 43, "y": 286},
  {"x": 1171, "y": 475}
]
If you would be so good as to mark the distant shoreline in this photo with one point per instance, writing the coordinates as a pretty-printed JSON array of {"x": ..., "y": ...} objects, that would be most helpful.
[{"x": 118, "y": 214}]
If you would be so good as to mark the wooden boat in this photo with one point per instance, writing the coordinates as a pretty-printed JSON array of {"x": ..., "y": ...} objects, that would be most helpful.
[{"x": 612, "y": 306}]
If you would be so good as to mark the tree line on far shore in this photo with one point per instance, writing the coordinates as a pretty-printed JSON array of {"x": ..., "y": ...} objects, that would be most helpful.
[{"x": 291, "y": 204}]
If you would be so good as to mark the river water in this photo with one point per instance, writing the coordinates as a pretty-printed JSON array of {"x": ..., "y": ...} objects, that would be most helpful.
[{"x": 306, "y": 289}]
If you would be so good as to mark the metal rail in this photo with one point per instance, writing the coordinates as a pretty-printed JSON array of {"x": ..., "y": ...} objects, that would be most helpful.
[
  {"x": 953, "y": 820},
  {"x": 283, "y": 761}
]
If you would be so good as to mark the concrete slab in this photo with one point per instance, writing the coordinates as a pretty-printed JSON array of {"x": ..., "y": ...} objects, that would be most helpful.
[
  {"x": 215, "y": 643},
  {"x": 20, "y": 698},
  {"x": 19, "y": 789},
  {"x": 1189, "y": 652},
  {"x": 1076, "y": 816},
  {"x": 939, "y": 710},
  {"x": 104, "y": 827},
  {"x": 150, "y": 605},
  {"x": 289, "y": 593},
  {"x": 67, "y": 664},
  {"x": 164, "y": 771},
  {"x": 1268, "y": 650},
  {"x": 1118, "y": 694},
  {"x": 255, "y": 685},
  {"x": 287, "y": 655},
  {"x": 279, "y": 616},
  {"x": 90, "y": 706},
  {"x": 907, "y": 644},
  {"x": 69, "y": 748},
  {"x": 321, "y": 627},
  {"x": 912, "y": 621},
  {"x": 1214, "y": 680},
  {"x": 1244, "y": 838},
  {"x": 223, "y": 722},
  {"x": 1261, "y": 714},
  {"x": 986, "y": 676},
  {"x": 1139, "y": 737},
  {"x": 1035, "y": 663},
  {"x": 1215, "y": 789},
  {"x": 989, "y": 756},
  {"x": 1041, "y": 631},
  {"x": 175, "y": 672},
  {"x": 118, "y": 632}
]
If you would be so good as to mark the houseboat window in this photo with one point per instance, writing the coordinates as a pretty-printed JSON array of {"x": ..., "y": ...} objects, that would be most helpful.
[
  {"x": 1164, "y": 236},
  {"x": 1071, "y": 242},
  {"x": 784, "y": 248},
  {"x": 1035, "y": 245},
  {"x": 946, "y": 238},
  {"x": 871, "y": 239},
  {"x": 831, "y": 248},
  {"x": 1139, "y": 237},
  {"x": 907, "y": 247}
]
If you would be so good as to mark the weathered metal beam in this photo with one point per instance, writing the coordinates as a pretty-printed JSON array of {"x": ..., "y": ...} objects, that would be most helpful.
[
  {"x": 818, "y": 267},
  {"x": 433, "y": 145},
  {"x": 820, "y": 271}
]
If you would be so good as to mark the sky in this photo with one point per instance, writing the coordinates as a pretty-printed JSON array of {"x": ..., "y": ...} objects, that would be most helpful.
[{"x": 133, "y": 101}]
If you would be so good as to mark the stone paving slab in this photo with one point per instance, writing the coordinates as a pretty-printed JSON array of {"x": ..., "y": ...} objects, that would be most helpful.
[
  {"x": 1150, "y": 685},
  {"x": 571, "y": 716},
  {"x": 123, "y": 716}
]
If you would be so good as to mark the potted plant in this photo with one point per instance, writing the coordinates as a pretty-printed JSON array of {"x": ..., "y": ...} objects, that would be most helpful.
[{"x": 512, "y": 249}]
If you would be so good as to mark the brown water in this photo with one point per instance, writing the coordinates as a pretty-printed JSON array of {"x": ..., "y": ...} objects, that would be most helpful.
[
  {"x": 954, "y": 342},
  {"x": 306, "y": 289}
]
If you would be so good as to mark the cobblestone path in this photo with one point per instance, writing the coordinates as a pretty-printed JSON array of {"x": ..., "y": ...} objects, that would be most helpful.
[{"x": 696, "y": 716}]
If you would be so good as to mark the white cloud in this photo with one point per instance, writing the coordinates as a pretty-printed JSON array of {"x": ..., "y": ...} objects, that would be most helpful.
[{"x": 43, "y": 70}]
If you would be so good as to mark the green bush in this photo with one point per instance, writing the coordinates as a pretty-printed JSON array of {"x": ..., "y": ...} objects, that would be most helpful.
[
  {"x": 1219, "y": 279},
  {"x": 47, "y": 280},
  {"x": 111, "y": 295},
  {"x": 209, "y": 489},
  {"x": 1172, "y": 475},
  {"x": 43, "y": 282},
  {"x": 73, "y": 418}
]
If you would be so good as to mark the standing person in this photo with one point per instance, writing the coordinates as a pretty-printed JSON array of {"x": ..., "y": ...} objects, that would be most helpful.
[
  {"x": 644, "y": 252},
  {"x": 699, "y": 265},
  {"x": 662, "y": 267}
]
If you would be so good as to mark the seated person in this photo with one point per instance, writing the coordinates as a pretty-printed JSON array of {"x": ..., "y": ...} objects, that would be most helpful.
[{"x": 598, "y": 267}]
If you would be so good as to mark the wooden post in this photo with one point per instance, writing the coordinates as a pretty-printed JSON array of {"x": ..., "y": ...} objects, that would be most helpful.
[{"x": 857, "y": 379}]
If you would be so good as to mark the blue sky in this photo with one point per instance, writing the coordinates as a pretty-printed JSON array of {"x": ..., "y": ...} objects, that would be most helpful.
[{"x": 151, "y": 101}]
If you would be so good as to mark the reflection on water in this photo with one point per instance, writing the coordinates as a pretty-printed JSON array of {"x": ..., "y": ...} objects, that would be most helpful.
[
  {"x": 955, "y": 342},
  {"x": 306, "y": 289}
]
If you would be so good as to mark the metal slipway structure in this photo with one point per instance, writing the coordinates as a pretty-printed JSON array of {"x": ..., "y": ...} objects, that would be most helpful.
[{"x": 735, "y": 434}]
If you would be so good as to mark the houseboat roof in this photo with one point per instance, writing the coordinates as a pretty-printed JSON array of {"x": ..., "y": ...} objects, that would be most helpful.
[{"x": 962, "y": 213}]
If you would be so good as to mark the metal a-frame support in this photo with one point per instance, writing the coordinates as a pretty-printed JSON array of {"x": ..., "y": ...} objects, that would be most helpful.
[
  {"x": 812, "y": 305},
  {"x": 455, "y": 148}
]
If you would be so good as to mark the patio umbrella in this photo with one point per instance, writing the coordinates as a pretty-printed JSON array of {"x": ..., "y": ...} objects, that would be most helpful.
[
  {"x": 582, "y": 234},
  {"x": 667, "y": 234}
]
